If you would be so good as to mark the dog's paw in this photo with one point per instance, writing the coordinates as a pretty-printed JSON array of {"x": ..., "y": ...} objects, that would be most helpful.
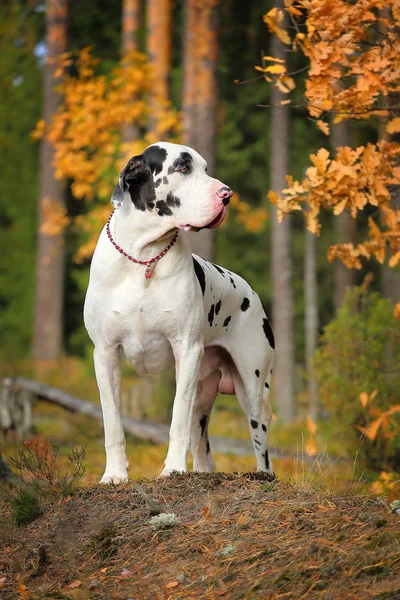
[
  {"x": 114, "y": 478},
  {"x": 168, "y": 472}
]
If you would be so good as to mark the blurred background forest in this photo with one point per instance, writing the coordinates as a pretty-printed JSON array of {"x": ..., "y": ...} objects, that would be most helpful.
[{"x": 86, "y": 85}]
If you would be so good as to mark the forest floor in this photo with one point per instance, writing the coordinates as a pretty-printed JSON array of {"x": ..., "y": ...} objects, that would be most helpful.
[{"x": 236, "y": 536}]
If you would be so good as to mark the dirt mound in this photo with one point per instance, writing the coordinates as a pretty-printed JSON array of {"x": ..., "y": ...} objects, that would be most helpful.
[{"x": 236, "y": 536}]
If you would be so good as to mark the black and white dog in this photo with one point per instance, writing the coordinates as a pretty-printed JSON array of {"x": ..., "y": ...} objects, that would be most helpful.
[{"x": 163, "y": 306}]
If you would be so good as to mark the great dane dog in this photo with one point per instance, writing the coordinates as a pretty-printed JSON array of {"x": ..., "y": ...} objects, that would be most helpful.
[{"x": 151, "y": 297}]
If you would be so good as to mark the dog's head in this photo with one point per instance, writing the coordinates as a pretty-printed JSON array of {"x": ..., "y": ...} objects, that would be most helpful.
[{"x": 171, "y": 181}]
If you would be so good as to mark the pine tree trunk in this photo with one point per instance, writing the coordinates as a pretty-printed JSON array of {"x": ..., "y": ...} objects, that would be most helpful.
[
  {"x": 200, "y": 99},
  {"x": 159, "y": 38},
  {"x": 391, "y": 275},
  {"x": 130, "y": 28},
  {"x": 282, "y": 309},
  {"x": 130, "y": 25},
  {"x": 311, "y": 317},
  {"x": 344, "y": 225},
  {"x": 47, "y": 333}
]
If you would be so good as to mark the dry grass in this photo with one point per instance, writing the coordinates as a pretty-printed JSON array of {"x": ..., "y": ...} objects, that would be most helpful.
[{"x": 239, "y": 536}]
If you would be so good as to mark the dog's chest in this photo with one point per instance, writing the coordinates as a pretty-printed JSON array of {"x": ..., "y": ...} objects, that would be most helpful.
[{"x": 143, "y": 333}]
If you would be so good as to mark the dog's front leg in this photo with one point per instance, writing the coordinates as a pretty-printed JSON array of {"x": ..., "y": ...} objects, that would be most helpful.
[
  {"x": 188, "y": 358},
  {"x": 108, "y": 374}
]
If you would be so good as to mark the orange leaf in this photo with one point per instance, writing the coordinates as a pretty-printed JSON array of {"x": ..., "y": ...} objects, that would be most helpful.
[
  {"x": 311, "y": 426},
  {"x": 364, "y": 399},
  {"x": 172, "y": 584},
  {"x": 324, "y": 127},
  {"x": 207, "y": 512},
  {"x": 393, "y": 126},
  {"x": 371, "y": 431},
  {"x": 75, "y": 584}
]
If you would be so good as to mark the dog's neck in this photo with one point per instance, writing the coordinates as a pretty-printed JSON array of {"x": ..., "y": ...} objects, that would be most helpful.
[{"x": 142, "y": 234}]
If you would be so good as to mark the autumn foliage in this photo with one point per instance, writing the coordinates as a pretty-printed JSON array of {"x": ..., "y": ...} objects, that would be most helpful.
[
  {"x": 86, "y": 132},
  {"x": 353, "y": 61}
]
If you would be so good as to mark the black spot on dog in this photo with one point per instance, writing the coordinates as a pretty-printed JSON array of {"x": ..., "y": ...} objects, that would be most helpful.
[
  {"x": 232, "y": 282},
  {"x": 266, "y": 384},
  {"x": 257, "y": 443},
  {"x": 203, "y": 424},
  {"x": 142, "y": 194},
  {"x": 245, "y": 304},
  {"x": 163, "y": 208},
  {"x": 269, "y": 333},
  {"x": 208, "y": 447},
  {"x": 158, "y": 182},
  {"x": 155, "y": 157},
  {"x": 219, "y": 269},
  {"x": 200, "y": 275},
  {"x": 211, "y": 315},
  {"x": 254, "y": 424},
  {"x": 266, "y": 459},
  {"x": 184, "y": 161},
  {"x": 226, "y": 322},
  {"x": 257, "y": 372},
  {"x": 165, "y": 180},
  {"x": 264, "y": 427},
  {"x": 218, "y": 307},
  {"x": 136, "y": 178},
  {"x": 172, "y": 200}
]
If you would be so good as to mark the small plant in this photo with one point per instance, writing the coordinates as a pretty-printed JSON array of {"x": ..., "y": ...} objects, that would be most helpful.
[
  {"x": 42, "y": 479},
  {"x": 25, "y": 505},
  {"x": 103, "y": 543},
  {"x": 40, "y": 464},
  {"x": 358, "y": 372}
]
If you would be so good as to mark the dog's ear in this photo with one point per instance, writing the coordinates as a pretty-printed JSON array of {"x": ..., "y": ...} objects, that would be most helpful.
[
  {"x": 135, "y": 172},
  {"x": 117, "y": 197}
]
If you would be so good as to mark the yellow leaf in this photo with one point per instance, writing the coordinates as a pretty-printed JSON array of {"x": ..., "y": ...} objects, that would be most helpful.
[
  {"x": 271, "y": 58},
  {"x": 273, "y": 18},
  {"x": 393, "y": 126},
  {"x": 364, "y": 399},
  {"x": 324, "y": 127},
  {"x": 371, "y": 431},
  {"x": 275, "y": 69},
  {"x": 310, "y": 447},
  {"x": 396, "y": 312},
  {"x": 311, "y": 426},
  {"x": 393, "y": 260}
]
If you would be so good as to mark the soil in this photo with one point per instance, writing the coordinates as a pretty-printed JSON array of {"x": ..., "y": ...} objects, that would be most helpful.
[{"x": 237, "y": 536}]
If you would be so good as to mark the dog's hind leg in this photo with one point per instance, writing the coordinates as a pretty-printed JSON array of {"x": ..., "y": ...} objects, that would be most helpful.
[
  {"x": 252, "y": 389},
  {"x": 206, "y": 393},
  {"x": 108, "y": 374}
]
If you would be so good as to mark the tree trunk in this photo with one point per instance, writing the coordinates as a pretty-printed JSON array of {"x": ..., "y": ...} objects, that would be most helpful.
[
  {"x": 345, "y": 227},
  {"x": 282, "y": 308},
  {"x": 130, "y": 25},
  {"x": 47, "y": 333},
  {"x": 391, "y": 275},
  {"x": 200, "y": 98},
  {"x": 311, "y": 317},
  {"x": 159, "y": 38},
  {"x": 130, "y": 28}
]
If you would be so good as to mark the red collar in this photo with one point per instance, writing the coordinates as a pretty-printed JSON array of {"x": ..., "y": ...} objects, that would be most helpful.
[{"x": 147, "y": 263}]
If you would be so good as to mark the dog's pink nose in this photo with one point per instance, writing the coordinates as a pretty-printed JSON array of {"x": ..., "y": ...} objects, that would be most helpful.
[{"x": 225, "y": 194}]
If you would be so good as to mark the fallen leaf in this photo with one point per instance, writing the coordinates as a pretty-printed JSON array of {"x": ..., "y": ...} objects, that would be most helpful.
[
  {"x": 75, "y": 584},
  {"x": 2, "y": 580},
  {"x": 207, "y": 512},
  {"x": 125, "y": 573},
  {"x": 172, "y": 584}
]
